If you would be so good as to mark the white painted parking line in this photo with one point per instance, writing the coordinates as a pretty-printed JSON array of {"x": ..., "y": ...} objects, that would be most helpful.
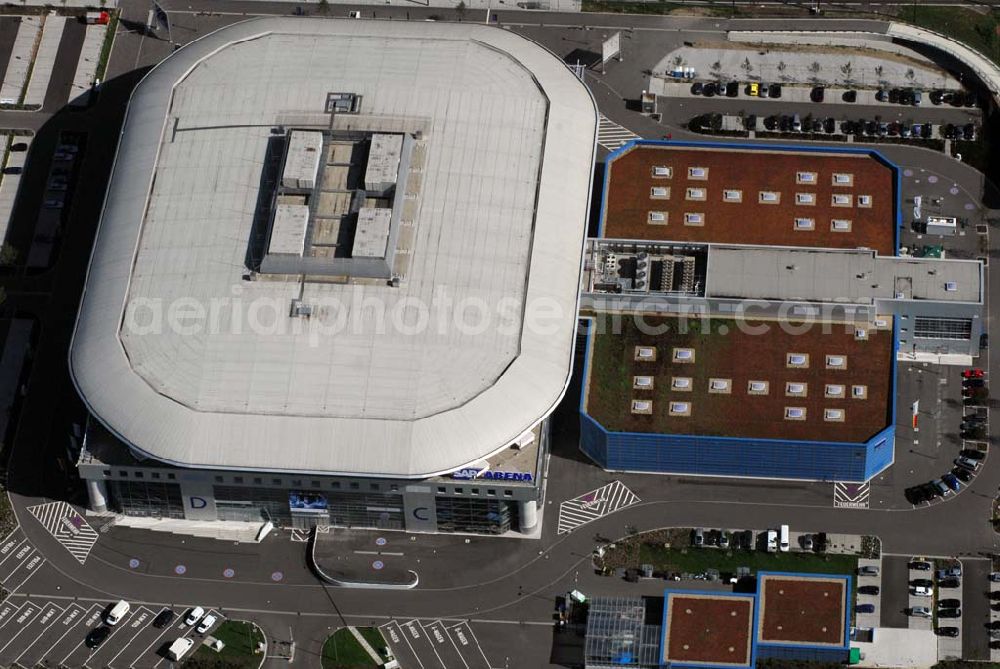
[
  {"x": 7, "y": 609},
  {"x": 31, "y": 566},
  {"x": 92, "y": 617},
  {"x": 20, "y": 550},
  {"x": 393, "y": 635},
  {"x": 23, "y": 620},
  {"x": 158, "y": 639},
  {"x": 464, "y": 637},
  {"x": 142, "y": 614},
  {"x": 68, "y": 618},
  {"x": 415, "y": 630},
  {"x": 442, "y": 641}
]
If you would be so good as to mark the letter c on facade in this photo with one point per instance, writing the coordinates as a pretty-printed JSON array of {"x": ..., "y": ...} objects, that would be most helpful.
[{"x": 420, "y": 513}]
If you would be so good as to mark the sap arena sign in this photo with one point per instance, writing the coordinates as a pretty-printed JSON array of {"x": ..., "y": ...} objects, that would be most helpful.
[{"x": 487, "y": 475}]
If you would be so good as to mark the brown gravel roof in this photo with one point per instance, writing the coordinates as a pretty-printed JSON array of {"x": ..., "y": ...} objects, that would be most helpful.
[
  {"x": 629, "y": 203},
  {"x": 708, "y": 628},
  {"x": 740, "y": 357},
  {"x": 806, "y": 610}
]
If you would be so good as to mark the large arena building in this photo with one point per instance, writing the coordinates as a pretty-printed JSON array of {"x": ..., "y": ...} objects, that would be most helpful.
[{"x": 336, "y": 278}]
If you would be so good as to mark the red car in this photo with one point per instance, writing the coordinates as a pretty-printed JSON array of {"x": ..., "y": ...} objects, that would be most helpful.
[{"x": 975, "y": 373}]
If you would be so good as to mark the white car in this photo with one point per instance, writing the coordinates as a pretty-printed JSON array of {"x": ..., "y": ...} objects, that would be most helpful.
[
  {"x": 922, "y": 591},
  {"x": 179, "y": 648},
  {"x": 206, "y": 624},
  {"x": 195, "y": 615},
  {"x": 920, "y": 612}
]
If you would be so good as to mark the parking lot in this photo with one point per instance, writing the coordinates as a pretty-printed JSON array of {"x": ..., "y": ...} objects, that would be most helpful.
[
  {"x": 434, "y": 644},
  {"x": 38, "y": 632}
]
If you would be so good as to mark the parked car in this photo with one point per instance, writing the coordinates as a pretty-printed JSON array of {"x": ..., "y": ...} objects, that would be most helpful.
[
  {"x": 984, "y": 340},
  {"x": 920, "y": 565},
  {"x": 972, "y": 373},
  {"x": 868, "y": 589},
  {"x": 206, "y": 623},
  {"x": 753, "y": 89},
  {"x": 868, "y": 570},
  {"x": 947, "y": 631},
  {"x": 949, "y": 613},
  {"x": 830, "y": 126},
  {"x": 164, "y": 618},
  {"x": 806, "y": 540},
  {"x": 796, "y": 123},
  {"x": 920, "y": 612},
  {"x": 922, "y": 582},
  {"x": 708, "y": 90},
  {"x": 97, "y": 636},
  {"x": 950, "y": 583},
  {"x": 882, "y": 95},
  {"x": 774, "y": 91},
  {"x": 817, "y": 94},
  {"x": 973, "y": 383},
  {"x": 698, "y": 537},
  {"x": 962, "y": 474},
  {"x": 194, "y": 616},
  {"x": 969, "y": 132},
  {"x": 995, "y": 576},
  {"x": 697, "y": 88},
  {"x": 764, "y": 90},
  {"x": 750, "y": 122},
  {"x": 850, "y": 96},
  {"x": 968, "y": 463},
  {"x": 865, "y": 608},
  {"x": 894, "y": 95},
  {"x": 724, "y": 539},
  {"x": 732, "y": 89},
  {"x": 972, "y": 426},
  {"x": 922, "y": 591},
  {"x": 952, "y": 482},
  {"x": 949, "y": 572},
  {"x": 949, "y": 603},
  {"x": 712, "y": 538},
  {"x": 943, "y": 489},
  {"x": 915, "y": 495},
  {"x": 972, "y": 453}
]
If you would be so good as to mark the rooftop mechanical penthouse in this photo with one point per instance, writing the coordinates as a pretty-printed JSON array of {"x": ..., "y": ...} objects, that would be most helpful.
[
  {"x": 748, "y": 305},
  {"x": 290, "y": 199}
]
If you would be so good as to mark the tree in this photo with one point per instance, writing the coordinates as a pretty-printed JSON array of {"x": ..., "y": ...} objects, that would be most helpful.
[
  {"x": 716, "y": 67},
  {"x": 324, "y": 7},
  {"x": 746, "y": 65},
  {"x": 460, "y": 8},
  {"x": 910, "y": 74},
  {"x": 815, "y": 68},
  {"x": 8, "y": 255},
  {"x": 782, "y": 66},
  {"x": 878, "y": 71},
  {"x": 678, "y": 61}
]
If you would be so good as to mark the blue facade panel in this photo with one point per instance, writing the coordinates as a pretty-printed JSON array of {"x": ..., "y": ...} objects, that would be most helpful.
[
  {"x": 803, "y": 653},
  {"x": 723, "y": 456}
]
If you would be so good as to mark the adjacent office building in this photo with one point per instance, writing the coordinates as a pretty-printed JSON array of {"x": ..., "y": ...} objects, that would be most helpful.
[
  {"x": 748, "y": 304},
  {"x": 314, "y": 290}
]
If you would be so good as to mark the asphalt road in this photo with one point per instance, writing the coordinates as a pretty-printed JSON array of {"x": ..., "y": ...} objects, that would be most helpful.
[{"x": 509, "y": 595}]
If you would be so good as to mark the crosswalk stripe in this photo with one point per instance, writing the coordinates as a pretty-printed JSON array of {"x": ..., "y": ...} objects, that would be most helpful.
[
  {"x": 594, "y": 505},
  {"x": 57, "y": 518},
  {"x": 612, "y": 136}
]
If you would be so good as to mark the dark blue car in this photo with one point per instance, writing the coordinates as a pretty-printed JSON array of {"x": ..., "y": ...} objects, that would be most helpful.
[{"x": 952, "y": 482}]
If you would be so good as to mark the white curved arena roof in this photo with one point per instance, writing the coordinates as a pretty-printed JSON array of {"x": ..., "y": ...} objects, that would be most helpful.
[{"x": 188, "y": 361}]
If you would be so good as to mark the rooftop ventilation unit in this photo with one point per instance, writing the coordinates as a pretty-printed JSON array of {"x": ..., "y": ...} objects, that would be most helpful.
[
  {"x": 681, "y": 383},
  {"x": 757, "y": 387},
  {"x": 951, "y": 286}
]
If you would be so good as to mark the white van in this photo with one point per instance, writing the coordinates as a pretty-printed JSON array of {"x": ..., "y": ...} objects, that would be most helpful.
[
  {"x": 784, "y": 539},
  {"x": 179, "y": 647},
  {"x": 772, "y": 541},
  {"x": 117, "y": 612}
]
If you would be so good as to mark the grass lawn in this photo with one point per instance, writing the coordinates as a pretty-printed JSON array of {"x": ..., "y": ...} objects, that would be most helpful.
[
  {"x": 241, "y": 639},
  {"x": 977, "y": 29},
  {"x": 698, "y": 560},
  {"x": 342, "y": 651}
]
